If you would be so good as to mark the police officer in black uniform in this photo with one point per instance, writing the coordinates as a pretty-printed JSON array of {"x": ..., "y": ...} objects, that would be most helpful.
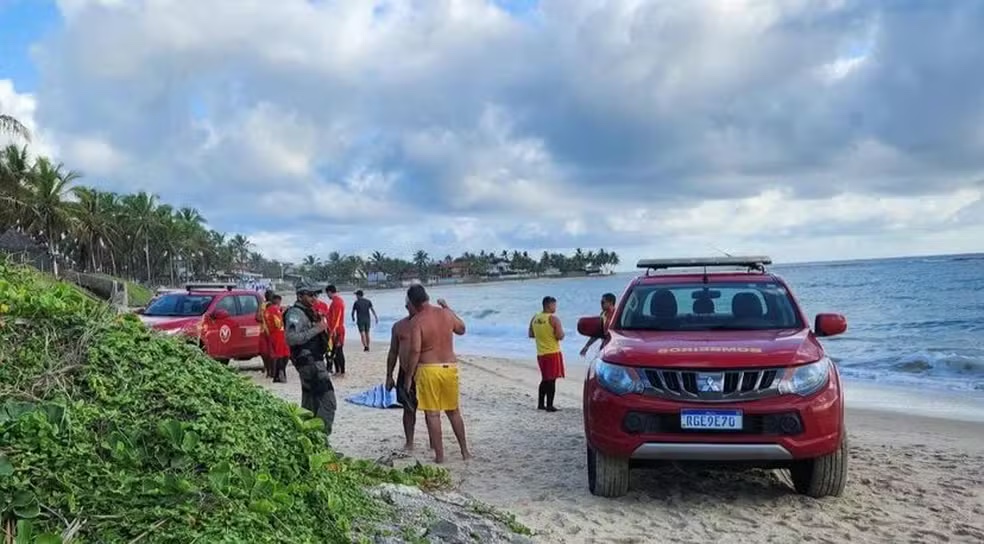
[{"x": 308, "y": 341}]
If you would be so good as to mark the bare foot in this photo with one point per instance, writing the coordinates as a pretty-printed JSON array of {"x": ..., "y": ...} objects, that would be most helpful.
[
  {"x": 408, "y": 446},
  {"x": 439, "y": 459},
  {"x": 466, "y": 455}
]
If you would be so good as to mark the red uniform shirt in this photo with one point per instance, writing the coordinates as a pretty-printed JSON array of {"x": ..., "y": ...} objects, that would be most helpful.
[
  {"x": 273, "y": 319},
  {"x": 320, "y": 307},
  {"x": 336, "y": 319}
]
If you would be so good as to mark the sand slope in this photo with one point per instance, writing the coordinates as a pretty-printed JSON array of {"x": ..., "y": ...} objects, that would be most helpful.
[{"x": 911, "y": 479}]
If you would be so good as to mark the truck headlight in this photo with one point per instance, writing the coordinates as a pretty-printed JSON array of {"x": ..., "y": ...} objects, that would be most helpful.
[
  {"x": 172, "y": 332},
  {"x": 805, "y": 379},
  {"x": 618, "y": 380}
]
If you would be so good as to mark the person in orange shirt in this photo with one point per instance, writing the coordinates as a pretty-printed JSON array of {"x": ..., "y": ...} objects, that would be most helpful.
[
  {"x": 336, "y": 329},
  {"x": 320, "y": 308},
  {"x": 278, "y": 350},
  {"x": 264, "y": 340}
]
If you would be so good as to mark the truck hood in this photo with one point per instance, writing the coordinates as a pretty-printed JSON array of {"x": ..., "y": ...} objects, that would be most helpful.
[
  {"x": 164, "y": 323},
  {"x": 712, "y": 349}
]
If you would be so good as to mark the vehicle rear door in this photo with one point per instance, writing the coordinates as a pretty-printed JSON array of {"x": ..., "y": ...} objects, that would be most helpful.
[
  {"x": 249, "y": 328},
  {"x": 221, "y": 336}
]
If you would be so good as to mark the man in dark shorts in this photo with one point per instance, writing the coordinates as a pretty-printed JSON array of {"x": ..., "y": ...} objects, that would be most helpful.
[
  {"x": 399, "y": 343},
  {"x": 361, "y": 309}
]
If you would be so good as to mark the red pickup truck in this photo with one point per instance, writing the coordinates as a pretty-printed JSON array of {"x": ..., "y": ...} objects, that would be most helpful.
[
  {"x": 218, "y": 317},
  {"x": 714, "y": 367}
]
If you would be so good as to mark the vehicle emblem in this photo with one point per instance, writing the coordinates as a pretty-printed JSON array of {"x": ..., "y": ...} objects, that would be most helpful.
[
  {"x": 224, "y": 333},
  {"x": 710, "y": 383}
]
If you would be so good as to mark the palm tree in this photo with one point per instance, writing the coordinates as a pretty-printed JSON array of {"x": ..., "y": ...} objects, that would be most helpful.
[
  {"x": 46, "y": 205},
  {"x": 12, "y": 127},
  {"x": 422, "y": 261},
  {"x": 240, "y": 247},
  {"x": 93, "y": 224},
  {"x": 139, "y": 213},
  {"x": 15, "y": 167}
]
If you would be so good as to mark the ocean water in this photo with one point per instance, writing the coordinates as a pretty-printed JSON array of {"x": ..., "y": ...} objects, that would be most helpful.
[{"x": 912, "y": 323}]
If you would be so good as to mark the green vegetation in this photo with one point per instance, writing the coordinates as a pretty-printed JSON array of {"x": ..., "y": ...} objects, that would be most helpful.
[
  {"x": 110, "y": 433},
  {"x": 138, "y": 294},
  {"x": 348, "y": 268}
]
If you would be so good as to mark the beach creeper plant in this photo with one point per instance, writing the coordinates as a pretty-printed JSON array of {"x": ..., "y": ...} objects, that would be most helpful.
[{"x": 110, "y": 433}]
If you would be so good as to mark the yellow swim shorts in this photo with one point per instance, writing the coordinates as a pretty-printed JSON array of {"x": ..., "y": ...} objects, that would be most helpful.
[{"x": 437, "y": 388}]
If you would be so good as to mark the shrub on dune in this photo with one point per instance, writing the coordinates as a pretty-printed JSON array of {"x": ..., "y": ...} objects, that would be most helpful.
[{"x": 112, "y": 433}]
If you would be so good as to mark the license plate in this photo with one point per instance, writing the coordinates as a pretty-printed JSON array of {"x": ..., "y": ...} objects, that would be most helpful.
[{"x": 715, "y": 420}]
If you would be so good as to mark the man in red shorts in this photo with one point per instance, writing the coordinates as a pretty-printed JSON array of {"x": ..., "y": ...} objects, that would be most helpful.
[{"x": 545, "y": 328}]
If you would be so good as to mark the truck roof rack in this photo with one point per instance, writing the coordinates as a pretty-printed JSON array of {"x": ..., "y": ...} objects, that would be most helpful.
[
  {"x": 752, "y": 263},
  {"x": 210, "y": 286}
]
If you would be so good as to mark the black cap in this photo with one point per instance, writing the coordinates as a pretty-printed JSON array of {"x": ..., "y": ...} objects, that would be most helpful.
[{"x": 307, "y": 288}]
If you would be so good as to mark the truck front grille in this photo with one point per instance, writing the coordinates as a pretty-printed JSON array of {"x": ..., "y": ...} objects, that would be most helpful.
[{"x": 711, "y": 386}]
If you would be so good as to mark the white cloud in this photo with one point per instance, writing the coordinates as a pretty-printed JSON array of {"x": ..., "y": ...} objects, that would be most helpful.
[
  {"x": 451, "y": 125},
  {"x": 22, "y": 106}
]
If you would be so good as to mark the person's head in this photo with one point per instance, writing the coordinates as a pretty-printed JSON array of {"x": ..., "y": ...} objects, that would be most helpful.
[
  {"x": 549, "y": 305},
  {"x": 417, "y": 296},
  {"x": 608, "y": 301},
  {"x": 276, "y": 300},
  {"x": 359, "y": 293},
  {"x": 331, "y": 290},
  {"x": 307, "y": 294},
  {"x": 268, "y": 295}
]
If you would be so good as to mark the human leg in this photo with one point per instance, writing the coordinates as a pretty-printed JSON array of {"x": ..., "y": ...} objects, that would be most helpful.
[
  {"x": 433, "y": 420},
  {"x": 458, "y": 426},
  {"x": 541, "y": 398},
  {"x": 280, "y": 370},
  {"x": 551, "y": 390},
  {"x": 430, "y": 400},
  {"x": 339, "y": 353},
  {"x": 408, "y": 399}
]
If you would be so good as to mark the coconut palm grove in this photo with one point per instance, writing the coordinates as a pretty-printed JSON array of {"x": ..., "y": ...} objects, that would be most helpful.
[{"x": 138, "y": 237}]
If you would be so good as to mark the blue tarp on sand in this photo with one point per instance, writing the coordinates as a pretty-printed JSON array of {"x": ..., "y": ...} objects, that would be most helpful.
[{"x": 377, "y": 397}]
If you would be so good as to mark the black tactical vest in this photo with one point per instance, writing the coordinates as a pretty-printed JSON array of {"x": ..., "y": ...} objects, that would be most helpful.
[{"x": 318, "y": 345}]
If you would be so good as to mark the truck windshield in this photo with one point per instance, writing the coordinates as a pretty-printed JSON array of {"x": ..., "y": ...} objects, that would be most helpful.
[
  {"x": 706, "y": 307},
  {"x": 178, "y": 305}
]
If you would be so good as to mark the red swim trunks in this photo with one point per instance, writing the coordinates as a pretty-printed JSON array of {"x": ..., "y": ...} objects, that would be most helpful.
[{"x": 551, "y": 365}]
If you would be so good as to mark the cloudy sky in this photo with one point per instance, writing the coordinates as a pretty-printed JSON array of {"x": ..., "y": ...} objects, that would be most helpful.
[{"x": 809, "y": 130}]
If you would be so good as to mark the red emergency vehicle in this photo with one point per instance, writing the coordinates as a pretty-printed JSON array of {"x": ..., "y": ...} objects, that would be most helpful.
[
  {"x": 714, "y": 367},
  {"x": 218, "y": 317}
]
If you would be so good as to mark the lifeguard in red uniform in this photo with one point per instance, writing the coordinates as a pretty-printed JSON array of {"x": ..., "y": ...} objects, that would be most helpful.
[
  {"x": 336, "y": 329},
  {"x": 278, "y": 350}
]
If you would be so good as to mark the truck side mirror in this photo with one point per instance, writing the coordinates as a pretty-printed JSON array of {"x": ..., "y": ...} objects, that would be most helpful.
[
  {"x": 830, "y": 325},
  {"x": 591, "y": 327}
]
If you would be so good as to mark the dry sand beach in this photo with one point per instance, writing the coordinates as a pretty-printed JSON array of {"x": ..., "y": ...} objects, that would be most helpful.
[{"x": 911, "y": 479}]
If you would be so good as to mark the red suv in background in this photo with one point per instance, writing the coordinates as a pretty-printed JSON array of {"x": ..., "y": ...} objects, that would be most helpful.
[
  {"x": 715, "y": 367},
  {"x": 219, "y": 318}
]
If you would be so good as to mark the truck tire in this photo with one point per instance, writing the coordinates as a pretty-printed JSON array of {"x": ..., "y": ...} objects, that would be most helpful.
[
  {"x": 607, "y": 476},
  {"x": 822, "y": 477}
]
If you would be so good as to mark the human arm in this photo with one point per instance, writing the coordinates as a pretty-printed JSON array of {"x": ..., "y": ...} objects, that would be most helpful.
[
  {"x": 391, "y": 358},
  {"x": 353, "y": 313},
  {"x": 413, "y": 353},
  {"x": 529, "y": 332},
  {"x": 373, "y": 310},
  {"x": 558, "y": 329},
  {"x": 458, "y": 325},
  {"x": 584, "y": 350},
  {"x": 299, "y": 329}
]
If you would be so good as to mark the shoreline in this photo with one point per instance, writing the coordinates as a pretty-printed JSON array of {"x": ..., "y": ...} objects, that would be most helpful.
[{"x": 911, "y": 478}]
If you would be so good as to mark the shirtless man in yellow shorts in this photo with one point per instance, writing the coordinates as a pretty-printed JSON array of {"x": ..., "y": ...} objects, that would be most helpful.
[{"x": 433, "y": 362}]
